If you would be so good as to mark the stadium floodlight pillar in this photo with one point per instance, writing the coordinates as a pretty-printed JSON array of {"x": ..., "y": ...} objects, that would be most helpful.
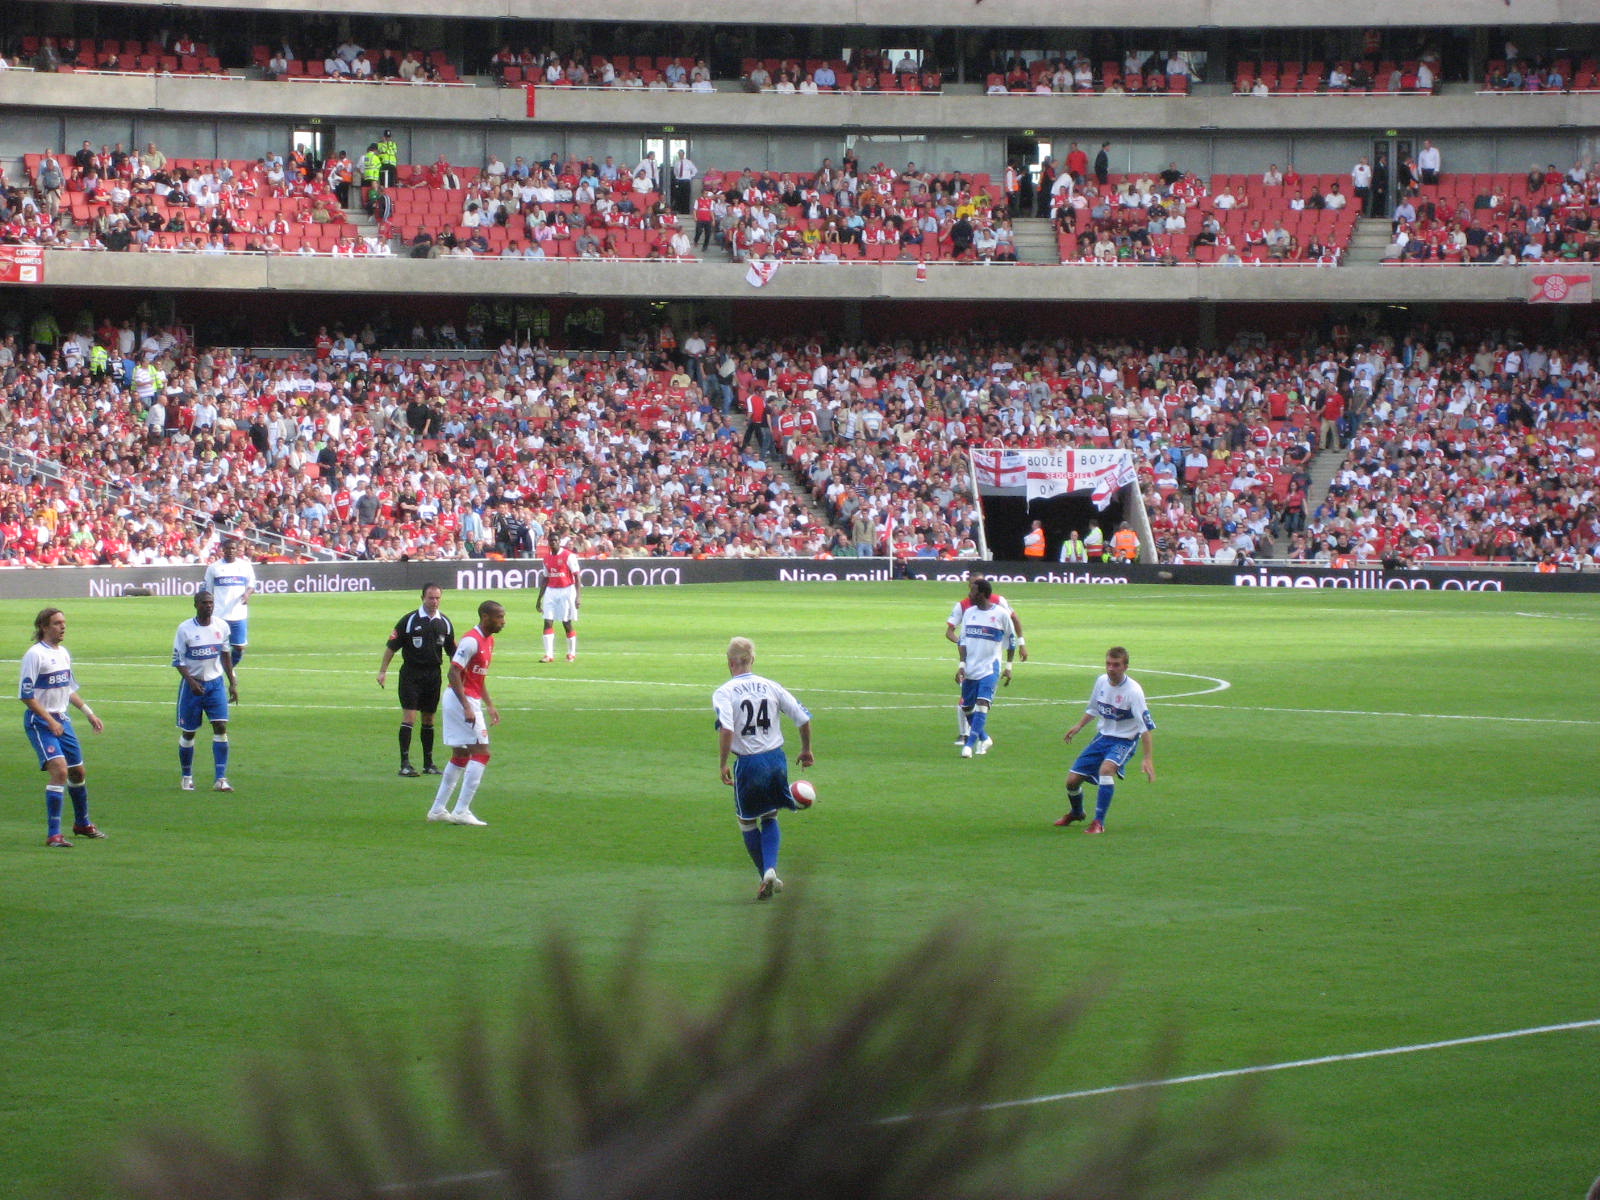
[
  {"x": 1139, "y": 517},
  {"x": 977, "y": 499}
]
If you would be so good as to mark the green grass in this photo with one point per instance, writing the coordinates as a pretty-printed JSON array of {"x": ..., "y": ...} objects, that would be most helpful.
[{"x": 1382, "y": 832}]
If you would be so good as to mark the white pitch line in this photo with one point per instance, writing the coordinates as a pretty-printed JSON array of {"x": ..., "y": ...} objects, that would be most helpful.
[
  {"x": 1118, "y": 1088},
  {"x": 1410, "y": 716},
  {"x": 1296, "y": 1064},
  {"x": 695, "y": 710},
  {"x": 1217, "y": 685},
  {"x": 1172, "y": 700},
  {"x": 927, "y": 706}
]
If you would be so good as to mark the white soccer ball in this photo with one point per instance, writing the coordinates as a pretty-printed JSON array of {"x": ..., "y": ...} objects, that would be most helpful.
[{"x": 804, "y": 794}]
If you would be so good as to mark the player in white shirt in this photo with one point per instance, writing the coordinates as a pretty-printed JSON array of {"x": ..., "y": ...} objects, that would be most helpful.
[
  {"x": 232, "y": 582},
  {"x": 47, "y": 690},
  {"x": 951, "y": 633},
  {"x": 1118, "y": 703},
  {"x": 986, "y": 637},
  {"x": 748, "y": 709},
  {"x": 200, "y": 655}
]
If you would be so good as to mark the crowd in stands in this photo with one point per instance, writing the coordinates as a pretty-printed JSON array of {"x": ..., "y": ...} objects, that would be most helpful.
[
  {"x": 698, "y": 59},
  {"x": 544, "y": 209},
  {"x": 1353, "y": 77},
  {"x": 351, "y": 62},
  {"x": 126, "y": 445},
  {"x": 172, "y": 52},
  {"x": 120, "y": 199},
  {"x": 1517, "y": 72},
  {"x": 1136, "y": 73},
  {"x": 169, "y": 53},
  {"x": 124, "y": 199},
  {"x": 1546, "y": 215},
  {"x": 1174, "y": 215}
]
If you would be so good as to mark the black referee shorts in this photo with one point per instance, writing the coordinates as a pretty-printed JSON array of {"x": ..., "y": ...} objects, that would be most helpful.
[{"x": 420, "y": 689}]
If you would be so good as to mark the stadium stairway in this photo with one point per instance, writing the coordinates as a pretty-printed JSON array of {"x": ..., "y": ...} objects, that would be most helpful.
[
  {"x": 366, "y": 226},
  {"x": 1367, "y": 244},
  {"x": 1036, "y": 241},
  {"x": 800, "y": 487},
  {"x": 1323, "y": 466}
]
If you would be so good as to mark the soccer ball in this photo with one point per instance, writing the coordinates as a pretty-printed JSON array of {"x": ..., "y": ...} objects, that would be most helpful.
[{"x": 804, "y": 794}]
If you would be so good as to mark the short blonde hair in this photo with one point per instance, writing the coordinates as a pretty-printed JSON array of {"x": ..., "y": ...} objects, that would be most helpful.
[{"x": 742, "y": 650}]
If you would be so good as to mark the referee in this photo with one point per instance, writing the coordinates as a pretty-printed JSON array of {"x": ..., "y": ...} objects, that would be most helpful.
[{"x": 425, "y": 638}]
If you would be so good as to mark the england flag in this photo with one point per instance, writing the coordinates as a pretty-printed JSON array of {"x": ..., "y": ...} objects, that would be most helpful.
[{"x": 995, "y": 467}]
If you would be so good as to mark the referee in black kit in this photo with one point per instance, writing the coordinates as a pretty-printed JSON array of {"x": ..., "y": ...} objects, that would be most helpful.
[{"x": 425, "y": 639}]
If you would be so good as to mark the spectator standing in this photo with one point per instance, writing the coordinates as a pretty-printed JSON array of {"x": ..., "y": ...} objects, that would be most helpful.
[
  {"x": 388, "y": 160},
  {"x": 1361, "y": 182},
  {"x": 1077, "y": 163},
  {"x": 371, "y": 173},
  {"x": 52, "y": 181},
  {"x": 1125, "y": 545},
  {"x": 1429, "y": 162},
  {"x": 1379, "y": 200},
  {"x": 1094, "y": 544},
  {"x": 1331, "y": 413},
  {"x": 684, "y": 173},
  {"x": 1033, "y": 542},
  {"x": 1102, "y": 164}
]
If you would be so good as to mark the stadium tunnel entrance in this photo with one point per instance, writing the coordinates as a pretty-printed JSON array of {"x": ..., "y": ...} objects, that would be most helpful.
[{"x": 1007, "y": 519}]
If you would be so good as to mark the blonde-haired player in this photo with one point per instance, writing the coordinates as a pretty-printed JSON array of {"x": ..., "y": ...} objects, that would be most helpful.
[{"x": 748, "y": 709}]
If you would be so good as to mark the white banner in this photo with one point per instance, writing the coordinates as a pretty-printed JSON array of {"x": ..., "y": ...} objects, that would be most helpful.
[{"x": 1101, "y": 473}]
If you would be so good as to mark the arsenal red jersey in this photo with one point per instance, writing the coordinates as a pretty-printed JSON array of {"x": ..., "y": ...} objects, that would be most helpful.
[
  {"x": 472, "y": 656},
  {"x": 560, "y": 569}
]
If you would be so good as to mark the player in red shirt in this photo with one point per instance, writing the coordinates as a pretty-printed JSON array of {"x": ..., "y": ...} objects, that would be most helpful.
[
  {"x": 558, "y": 598},
  {"x": 468, "y": 713}
]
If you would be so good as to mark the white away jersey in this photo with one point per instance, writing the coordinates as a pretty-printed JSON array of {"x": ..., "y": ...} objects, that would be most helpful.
[
  {"x": 985, "y": 633},
  {"x": 47, "y": 677},
  {"x": 749, "y": 705},
  {"x": 1122, "y": 709},
  {"x": 228, "y": 582},
  {"x": 199, "y": 648},
  {"x": 965, "y": 603}
]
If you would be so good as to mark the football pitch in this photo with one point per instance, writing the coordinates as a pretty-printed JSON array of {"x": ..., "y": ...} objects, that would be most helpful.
[{"x": 1364, "y": 879}]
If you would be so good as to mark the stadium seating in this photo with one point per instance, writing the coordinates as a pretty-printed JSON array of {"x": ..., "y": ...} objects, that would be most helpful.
[{"x": 660, "y": 469}]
